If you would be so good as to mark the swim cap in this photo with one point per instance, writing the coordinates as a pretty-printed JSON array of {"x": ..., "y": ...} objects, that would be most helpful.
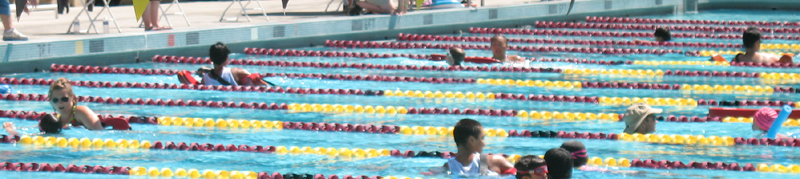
[
  {"x": 5, "y": 89},
  {"x": 764, "y": 118}
]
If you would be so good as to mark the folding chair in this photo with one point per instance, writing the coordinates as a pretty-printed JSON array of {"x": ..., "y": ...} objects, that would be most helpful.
[
  {"x": 92, "y": 20},
  {"x": 341, "y": 4},
  {"x": 243, "y": 10},
  {"x": 164, "y": 13}
]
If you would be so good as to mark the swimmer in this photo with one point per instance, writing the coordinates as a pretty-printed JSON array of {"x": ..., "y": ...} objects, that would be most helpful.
[
  {"x": 640, "y": 118},
  {"x": 65, "y": 103},
  {"x": 468, "y": 135},
  {"x": 751, "y": 40},
  {"x": 531, "y": 167},
  {"x": 48, "y": 124},
  {"x": 559, "y": 163},
  {"x": 662, "y": 34},
  {"x": 222, "y": 75},
  {"x": 499, "y": 46},
  {"x": 456, "y": 56},
  {"x": 762, "y": 122}
]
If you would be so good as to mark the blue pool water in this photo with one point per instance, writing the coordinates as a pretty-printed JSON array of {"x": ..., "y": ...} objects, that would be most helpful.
[{"x": 411, "y": 167}]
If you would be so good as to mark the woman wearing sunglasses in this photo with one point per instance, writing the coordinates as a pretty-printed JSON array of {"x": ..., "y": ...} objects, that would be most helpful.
[{"x": 65, "y": 103}]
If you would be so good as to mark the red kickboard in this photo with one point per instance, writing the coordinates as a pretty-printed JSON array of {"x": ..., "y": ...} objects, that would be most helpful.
[{"x": 740, "y": 112}]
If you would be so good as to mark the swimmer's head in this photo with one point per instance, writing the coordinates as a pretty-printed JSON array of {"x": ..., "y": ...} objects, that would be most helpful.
[
  {"x": 49, "y": 124},
  {"x": 499, "y": 45},
  {"x": 61, "y": 95},
  {"x": 764, "y": 118},
  {"x": 662, "y": 34},
  {"x": 468, "y": 133},
  {"x": 531, "y": 167},
  {"x": 456, "y": 56},
  {"x": 219, "y": 54},
  {"x": 751, "y": 38},
  {"x": 578, "y": 151},
  {"x": 559, "y": 163}
]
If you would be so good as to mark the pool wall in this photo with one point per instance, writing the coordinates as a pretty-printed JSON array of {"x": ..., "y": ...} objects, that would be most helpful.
[{"x": 130, "y": 48}]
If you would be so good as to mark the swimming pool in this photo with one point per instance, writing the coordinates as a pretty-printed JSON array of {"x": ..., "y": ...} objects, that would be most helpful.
[{"x": 300, "y": 108}]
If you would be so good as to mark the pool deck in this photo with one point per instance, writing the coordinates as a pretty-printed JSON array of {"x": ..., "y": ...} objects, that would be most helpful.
[
  {"x": 201, "y": 15},
  {"x": 305, "y": 24}
]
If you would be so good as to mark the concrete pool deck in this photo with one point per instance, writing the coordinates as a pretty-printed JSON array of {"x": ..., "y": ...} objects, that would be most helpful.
[{"x": 304, "y": 25}]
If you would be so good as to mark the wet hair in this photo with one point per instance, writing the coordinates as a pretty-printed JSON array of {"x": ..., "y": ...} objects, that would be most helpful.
[
  {"x": 458, "y": 55},
  {"x": 60, "y": 84},
  {"x": 500, "y": 38},
  {"x": 575, "y": 146},
  {"x": 466, "y": 128},
  {"x": 750, "y": 37},
  {"x": 663, "y": 33},
  {"x": 559, "y": 163},
  {"x": 528, "y": 162},
  {"x": 49, "y": 124},
  {"x": 219, "y": 53}
]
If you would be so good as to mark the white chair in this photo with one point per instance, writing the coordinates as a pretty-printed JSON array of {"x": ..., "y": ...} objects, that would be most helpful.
[
  {"x": 243, "y": 10},
  {"x": 164, "y": 13},
  {"x": 92, "y": 20},
  {"x": 341, "y": 4}
]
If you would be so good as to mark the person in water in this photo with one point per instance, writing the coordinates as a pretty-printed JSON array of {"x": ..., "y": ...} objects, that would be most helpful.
[
  {"x": 222, "y": 75},
  {"x": 48, "y": 124},
  {"x": 65, "y": 104},
  {"x": 559, "y": 163},
  {"x": 456, "y": 56},
  {"x": 531, "y": 167},
  {"x": 661, "y": 34},
  {"x": 762, "y": 122},
  {"x": 640, "y": 118},
  {"x": 471, "y": 161},
  {"x": 499, "y": 47},
  {"x": 751, "y": 40}
]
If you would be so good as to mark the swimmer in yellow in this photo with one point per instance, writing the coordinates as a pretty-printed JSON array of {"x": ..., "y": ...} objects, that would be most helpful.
[{"x": 499, "y": 46}]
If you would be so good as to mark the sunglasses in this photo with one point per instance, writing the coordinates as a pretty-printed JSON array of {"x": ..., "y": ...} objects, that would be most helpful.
[
  {"x": 538, "y": 171},
  {"x": 63, "y": 99}
]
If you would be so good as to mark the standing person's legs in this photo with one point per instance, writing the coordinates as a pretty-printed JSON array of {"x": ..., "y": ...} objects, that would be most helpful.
[
  {"x": 5, "y": 15},
  {"x": 153, "y": 7},
  {"x": 148, "y": 25}
]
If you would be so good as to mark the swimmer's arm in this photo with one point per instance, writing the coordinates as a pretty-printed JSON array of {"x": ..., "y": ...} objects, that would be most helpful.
[
  {"x": 88, "y": 118},
  {"x": 10, "y": 128},
  {"x": 502, "y": 164},
  {"x": 241, "y": 75}
]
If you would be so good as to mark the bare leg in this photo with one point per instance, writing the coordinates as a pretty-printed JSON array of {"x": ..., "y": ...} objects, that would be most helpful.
[
  {"x": 146, "y": 18},
  {"x": 153, "y": 7},
  {"x": 6, "y": 22},
  {"x": 386, "y": 9}
]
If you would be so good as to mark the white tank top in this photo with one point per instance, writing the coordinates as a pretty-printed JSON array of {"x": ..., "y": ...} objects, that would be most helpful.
[
  {"x": 226, "y": 75},
  {"x": 473, "y": 169}
]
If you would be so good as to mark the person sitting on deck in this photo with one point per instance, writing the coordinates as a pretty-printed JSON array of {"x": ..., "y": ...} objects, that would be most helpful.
[{"x": 394, "y": 7}]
